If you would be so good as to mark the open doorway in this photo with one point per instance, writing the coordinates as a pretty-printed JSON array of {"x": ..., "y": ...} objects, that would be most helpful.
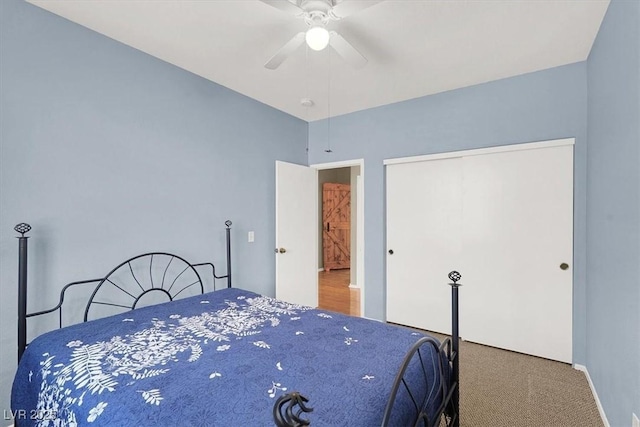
[
  {"x": 339, "y": 254},
  {"x": 297, "y": 229}
]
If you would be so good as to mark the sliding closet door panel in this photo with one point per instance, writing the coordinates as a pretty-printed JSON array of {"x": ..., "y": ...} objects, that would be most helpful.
[
  {"x": 423, "y": 232},
  {"x": 517, "y": 231}
]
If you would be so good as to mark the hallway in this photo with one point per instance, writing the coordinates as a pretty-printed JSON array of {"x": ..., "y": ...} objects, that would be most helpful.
[{"x": 334, "y": 293}]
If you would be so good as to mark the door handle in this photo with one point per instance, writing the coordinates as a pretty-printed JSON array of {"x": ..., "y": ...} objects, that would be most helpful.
[
  {"x": 564, "y": 266},
  {"x": 281, "y": 250},
  {"x": 390, "y": 251}
]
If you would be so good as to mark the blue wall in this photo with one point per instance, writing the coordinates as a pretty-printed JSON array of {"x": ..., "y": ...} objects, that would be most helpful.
[
  {"x": 108, "y": 152},
  {"x": 613, "y": 213},
  {"x": 545, "y": 105}
]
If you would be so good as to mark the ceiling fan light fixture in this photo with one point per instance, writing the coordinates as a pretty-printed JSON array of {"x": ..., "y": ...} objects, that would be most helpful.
[{"x": 317, "y": 37}]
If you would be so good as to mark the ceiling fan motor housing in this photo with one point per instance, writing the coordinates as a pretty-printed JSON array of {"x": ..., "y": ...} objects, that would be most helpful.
[
  {"x": 316, "y": 19},
  {"x": 323, "y": 6},
  {"x": 318, "y": 12}
]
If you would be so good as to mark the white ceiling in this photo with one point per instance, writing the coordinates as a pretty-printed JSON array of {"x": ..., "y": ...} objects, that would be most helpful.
[{"x": 414, "y": 47}]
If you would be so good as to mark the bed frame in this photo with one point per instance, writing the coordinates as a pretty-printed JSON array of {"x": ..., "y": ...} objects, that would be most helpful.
[
  {"x": 289, "y": 408},
  {"x": 106, "y": 282}
]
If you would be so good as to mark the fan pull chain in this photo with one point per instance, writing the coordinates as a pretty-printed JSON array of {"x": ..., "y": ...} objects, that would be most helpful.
[{"x": 328, "y": 149}]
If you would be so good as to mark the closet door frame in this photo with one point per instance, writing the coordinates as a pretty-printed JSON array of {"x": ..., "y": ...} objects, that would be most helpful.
[{"x": 478, "y": 151}]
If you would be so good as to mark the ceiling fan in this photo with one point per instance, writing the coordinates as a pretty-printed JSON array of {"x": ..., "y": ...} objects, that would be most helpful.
[{"x": 317, "y": 14}]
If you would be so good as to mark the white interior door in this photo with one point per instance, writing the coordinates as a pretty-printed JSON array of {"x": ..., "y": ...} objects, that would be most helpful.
[
  {"x": 423, "y": 241},
  {"x": 517, "y": 231},
  {"x": 296, "y": 234}
]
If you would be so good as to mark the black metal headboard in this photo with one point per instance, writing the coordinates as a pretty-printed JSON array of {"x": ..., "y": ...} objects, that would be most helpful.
[
  {"x": 133, "y": 280},
  {"x": 155, "y": 273}
]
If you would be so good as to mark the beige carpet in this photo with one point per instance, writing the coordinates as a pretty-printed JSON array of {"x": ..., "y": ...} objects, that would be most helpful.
[{"x": 502, "y": 388}]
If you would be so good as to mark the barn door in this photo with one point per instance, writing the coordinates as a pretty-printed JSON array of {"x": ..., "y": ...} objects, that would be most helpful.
[{"x": 336, "y": 217}]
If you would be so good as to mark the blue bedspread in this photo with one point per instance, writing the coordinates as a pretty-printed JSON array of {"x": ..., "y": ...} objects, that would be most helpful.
[{"x": 219, "y": 359}]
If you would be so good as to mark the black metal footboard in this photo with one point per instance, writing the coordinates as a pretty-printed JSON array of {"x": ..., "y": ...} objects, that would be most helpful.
[
  {"x": 423, "y": 393},
  {"x": 139, "y": 282}
]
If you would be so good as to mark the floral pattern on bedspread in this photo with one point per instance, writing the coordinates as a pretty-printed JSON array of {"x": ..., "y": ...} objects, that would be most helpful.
[{"x": 216, "y": 359}]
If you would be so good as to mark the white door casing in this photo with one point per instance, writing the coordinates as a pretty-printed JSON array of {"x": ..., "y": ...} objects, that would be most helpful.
[
  {"x": 296, "y": 233},
  {"x": 360, "y": 240},
  {"x": 507, "y": 233},
  {"x": 360, "y": 237}
]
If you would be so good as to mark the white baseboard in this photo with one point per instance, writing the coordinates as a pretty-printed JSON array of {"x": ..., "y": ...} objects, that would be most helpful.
[
  {"x": 593, "y": 391},
  {"x": 354, "y": 286}
]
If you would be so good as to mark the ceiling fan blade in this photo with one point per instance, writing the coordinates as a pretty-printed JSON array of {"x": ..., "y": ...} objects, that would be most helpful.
[
  {"x": 285, "y": 6},
  {"x": 347, "y": 51},
  {"x": 285, "y": 51},
  {"x": 349, "y": 7}
]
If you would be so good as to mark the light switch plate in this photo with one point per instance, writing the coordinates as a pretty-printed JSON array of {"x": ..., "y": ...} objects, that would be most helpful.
[
  {"x": 635, "y": 421},
  {"x": 251, "y": 237}
]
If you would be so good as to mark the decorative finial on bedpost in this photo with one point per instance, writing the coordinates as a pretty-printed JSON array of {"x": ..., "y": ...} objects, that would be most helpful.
[
  {"x": 454, "y": 409},
  {"x": 454, "y": 276},
  {"x": 22, "y": 228},
  {"x": 289, "y": 418},
  {"x": 228, "y": 223}
]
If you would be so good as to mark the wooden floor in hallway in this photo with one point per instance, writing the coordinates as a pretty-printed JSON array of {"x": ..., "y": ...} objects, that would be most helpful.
[{"x": 334, "y": 293}]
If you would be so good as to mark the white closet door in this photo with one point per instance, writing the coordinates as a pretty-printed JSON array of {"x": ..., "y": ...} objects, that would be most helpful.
[
  {"x": 423, "y": 231},
  {"x": 504, "y": 219},
  {"x": 517, "y": 231}
]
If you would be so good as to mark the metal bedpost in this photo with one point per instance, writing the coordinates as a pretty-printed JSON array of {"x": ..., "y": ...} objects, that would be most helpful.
[
  {"x": 455, "y": 339},
  {"x": 22, "y": 228},
  {"x": 228, "y": 224}
]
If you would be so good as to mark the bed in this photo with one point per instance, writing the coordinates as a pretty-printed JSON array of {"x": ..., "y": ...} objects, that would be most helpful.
[{"x": 221, "y": 358}]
